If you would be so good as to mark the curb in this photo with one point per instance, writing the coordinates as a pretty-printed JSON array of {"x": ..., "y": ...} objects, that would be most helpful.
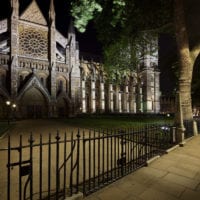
[
  {"x": 152, "y": 160},
  {"x": 172, "y": 148},
  {"x": 77, "y": 196}
]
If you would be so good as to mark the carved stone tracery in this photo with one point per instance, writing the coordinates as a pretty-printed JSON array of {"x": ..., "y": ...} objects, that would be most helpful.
[{"x": 33, "y": 43}]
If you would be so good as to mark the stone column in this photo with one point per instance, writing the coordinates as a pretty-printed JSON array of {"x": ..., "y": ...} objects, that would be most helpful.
[
  {"x": 132, "y": 104},
  {"x": 127, "y": 100},
  {"x": 74, "y": 69},
  {"x": 93, "y": 97},
  {"x": 83, "y": 96},
  {"x": 116, "y": 99},
  {"x": 102, "y": 97},
  {"x": 156, "y": 91},
  {"x": 14, "y": 48},
  {"x": 120, "y": 101},
  {"x": 141, "y": 100},
  {"x": 148, "y": 93},
  {"x": 123, "y": 99},
  {"x": 110, "y": 98},
  {"x": 52, "y": 60}
]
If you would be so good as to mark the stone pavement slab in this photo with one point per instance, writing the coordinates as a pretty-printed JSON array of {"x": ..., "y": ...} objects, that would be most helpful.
[
  {"x": 168, "y": 187},
  {"x": 152, "y": 194},
  {"x": 116, "y": 194},
  {"x": 173, "y": 176},
  {"x": 190, "y": 195},
  {"x": 182, "y": 172},
  {"x": 181, "y": 180}
]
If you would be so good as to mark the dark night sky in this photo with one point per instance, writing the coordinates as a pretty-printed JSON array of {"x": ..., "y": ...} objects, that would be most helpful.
[{"x": 167, "y": 56}]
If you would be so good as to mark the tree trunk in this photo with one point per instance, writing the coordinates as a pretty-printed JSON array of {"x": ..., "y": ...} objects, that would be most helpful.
[{"x": 185, "y": 63}]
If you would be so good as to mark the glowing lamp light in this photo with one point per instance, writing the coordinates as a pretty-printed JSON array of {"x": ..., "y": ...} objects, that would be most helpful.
[{"x": 7, "y": 103}]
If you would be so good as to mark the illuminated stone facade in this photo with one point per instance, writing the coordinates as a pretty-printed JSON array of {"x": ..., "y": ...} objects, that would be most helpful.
[
  {"x": 138, "y": 92},
  {"x": 40, "y": 71}
]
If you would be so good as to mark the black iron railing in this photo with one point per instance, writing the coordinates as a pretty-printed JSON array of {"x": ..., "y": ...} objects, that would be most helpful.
[
  {"x": 188, "y": 124},
  {"x": 197, "y": 119},
  {"x": 64, "y": 164}
]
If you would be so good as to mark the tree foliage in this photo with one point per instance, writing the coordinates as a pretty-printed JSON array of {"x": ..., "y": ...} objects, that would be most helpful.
[
  {"x": 119, "y": 24},
  {"x": 129, "y": 17},
  {"x": 84, "y": 11},
  {"x": 126, "y": 54}
]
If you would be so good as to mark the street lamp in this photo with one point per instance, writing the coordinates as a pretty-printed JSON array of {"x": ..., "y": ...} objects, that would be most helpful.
[
  {"x": 8, "y": 103},
  {"x": 10, "y": 108},
  {"x": 14, "y": 109},
  {"x": 8, "y": 111}
]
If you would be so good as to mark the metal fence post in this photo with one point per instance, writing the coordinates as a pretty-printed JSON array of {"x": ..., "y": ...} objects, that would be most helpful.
[
  {"x": 40, "y": 157},
  {"x": 57, "y": 165},
  {"x": 20, "y": 165},
  {"x": 8, "y": 166},
  {"x": 31, "y": 165},
  {"x": 71, "y": 165},
  {"x": 146, "y": 143},
  {"x": 49, "y": 167},
  {"x": 78, "y": 156},
  {"x": 173, "y": 134},
  {"x": 84, "y": 164},
  {"x": 65, "y": 155}
]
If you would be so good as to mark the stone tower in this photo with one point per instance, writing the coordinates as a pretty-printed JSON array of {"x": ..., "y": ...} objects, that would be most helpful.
[{"x": 40, "y": 65}]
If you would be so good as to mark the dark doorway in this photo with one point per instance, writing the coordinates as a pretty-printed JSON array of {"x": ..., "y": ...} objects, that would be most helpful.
[{"x": 34, "y": 111}]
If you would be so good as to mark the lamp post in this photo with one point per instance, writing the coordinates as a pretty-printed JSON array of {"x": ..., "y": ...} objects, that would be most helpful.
[
  {"x": 14, "y": 109},
  {"x": 8, "y": 111},
  {"x": 11, "y": 107}
]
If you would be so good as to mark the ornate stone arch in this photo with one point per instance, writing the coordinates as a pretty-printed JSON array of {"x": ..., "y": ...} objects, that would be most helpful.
[
  {"x": 61, "y": 84},
  {"x": 34, "y": 99},
  {"x": 34, "y": 82}
]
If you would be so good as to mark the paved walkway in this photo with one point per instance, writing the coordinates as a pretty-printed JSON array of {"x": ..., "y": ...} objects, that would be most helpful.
[{"x": 175, "y": 175}]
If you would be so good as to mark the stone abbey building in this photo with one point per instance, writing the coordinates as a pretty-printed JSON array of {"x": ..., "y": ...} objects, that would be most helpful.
[{"x": 42, "y": 73}]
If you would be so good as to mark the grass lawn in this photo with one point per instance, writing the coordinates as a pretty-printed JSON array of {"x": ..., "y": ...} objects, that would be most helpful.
[
  {"x": 117, "y": 121},
  {"x": 3, "y": 127}
]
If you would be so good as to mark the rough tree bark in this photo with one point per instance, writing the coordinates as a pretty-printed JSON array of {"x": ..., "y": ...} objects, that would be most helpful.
[{"x": 185, "y": 61}]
